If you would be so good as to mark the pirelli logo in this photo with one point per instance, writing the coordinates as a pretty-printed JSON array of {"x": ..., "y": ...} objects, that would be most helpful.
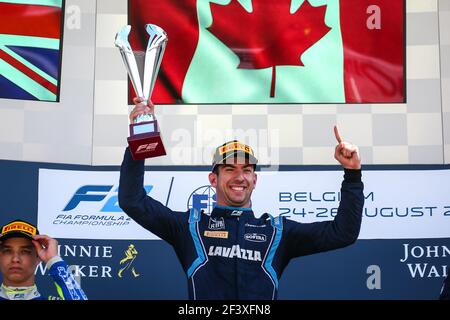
[
  {"x": 216, "y": 234},
  {"x": 19, "y": 226},
  {"x": 235, "y": 146}
]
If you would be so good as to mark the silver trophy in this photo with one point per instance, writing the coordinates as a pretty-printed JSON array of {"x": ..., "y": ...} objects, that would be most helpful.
[{"x": 144, "y": 140}]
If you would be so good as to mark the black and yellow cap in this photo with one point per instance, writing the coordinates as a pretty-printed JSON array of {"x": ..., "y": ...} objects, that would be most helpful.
[
  {"x": 18, "y": 228},
  {"x": 230, "y": 152}
]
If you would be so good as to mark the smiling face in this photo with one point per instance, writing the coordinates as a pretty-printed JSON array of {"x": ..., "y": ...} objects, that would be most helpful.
[
  {"x": 18, "y": 261},
  {"x": 234, "y": 184}
]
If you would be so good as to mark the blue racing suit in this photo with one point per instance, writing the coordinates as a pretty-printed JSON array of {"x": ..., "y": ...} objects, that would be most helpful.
[{"x": 231, "y": 254}]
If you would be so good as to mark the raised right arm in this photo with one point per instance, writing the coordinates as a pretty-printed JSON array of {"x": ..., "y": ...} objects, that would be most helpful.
[{"x": 146, "y": 211}]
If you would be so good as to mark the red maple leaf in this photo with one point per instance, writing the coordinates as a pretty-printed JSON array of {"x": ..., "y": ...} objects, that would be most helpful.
[{"x": 270, "y": 35}]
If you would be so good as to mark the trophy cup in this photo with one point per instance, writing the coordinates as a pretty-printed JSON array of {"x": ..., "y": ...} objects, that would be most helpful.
[{"x": 144, "y": 140}]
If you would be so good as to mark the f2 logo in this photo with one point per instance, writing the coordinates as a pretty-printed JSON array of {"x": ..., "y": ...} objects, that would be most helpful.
[
  {"x": 147, "y": 147},
  {"x": 83, "y": 194},
  {"x": 97, "y": 193}
]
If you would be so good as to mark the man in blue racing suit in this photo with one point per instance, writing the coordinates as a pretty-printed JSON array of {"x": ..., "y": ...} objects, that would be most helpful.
[
  {"x": 21, "y": 250},
  {"x": 231, "y": 254}
]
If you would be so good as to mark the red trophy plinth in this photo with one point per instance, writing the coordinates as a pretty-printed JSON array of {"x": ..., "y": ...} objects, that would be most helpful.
[{"x": 145, "y": 140}]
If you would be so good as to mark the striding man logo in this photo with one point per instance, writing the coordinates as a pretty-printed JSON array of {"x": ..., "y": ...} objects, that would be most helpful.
[{"x": 130, "y": 254}]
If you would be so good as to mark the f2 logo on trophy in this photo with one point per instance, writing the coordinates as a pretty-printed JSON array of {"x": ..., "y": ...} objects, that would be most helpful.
[{"x": 145, "y": 139}]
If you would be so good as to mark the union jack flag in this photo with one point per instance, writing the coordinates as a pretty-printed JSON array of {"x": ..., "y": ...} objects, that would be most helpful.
[{"x": 30, "y": 46}]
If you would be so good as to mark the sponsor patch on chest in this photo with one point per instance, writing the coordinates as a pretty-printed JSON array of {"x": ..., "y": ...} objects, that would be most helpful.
[
  {"x": 216, "y": 224},
  {"x": 234, "y": 251},
  {"x": 255, "y": 237},
  {"x": 216, "y": 234}
]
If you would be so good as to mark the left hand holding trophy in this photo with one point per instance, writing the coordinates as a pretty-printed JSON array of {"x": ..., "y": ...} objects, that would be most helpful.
[{"x": 145, "y": 139}]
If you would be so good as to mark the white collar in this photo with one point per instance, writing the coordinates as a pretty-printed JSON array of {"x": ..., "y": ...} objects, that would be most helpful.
[{"x": 19, "y": 293}]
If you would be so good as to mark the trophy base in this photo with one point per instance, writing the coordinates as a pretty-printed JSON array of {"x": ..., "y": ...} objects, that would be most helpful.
[{"x": 147, "y": 144}]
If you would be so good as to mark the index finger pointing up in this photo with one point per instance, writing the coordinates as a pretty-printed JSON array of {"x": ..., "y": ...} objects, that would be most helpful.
[{"x": 337, "y": 135}]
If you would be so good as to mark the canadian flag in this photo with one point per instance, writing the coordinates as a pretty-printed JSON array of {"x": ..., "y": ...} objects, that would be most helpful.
[{"x": 276, "y": 51}]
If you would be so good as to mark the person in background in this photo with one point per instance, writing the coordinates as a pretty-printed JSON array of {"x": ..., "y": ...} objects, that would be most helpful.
[{"x": 21, "y": 250}]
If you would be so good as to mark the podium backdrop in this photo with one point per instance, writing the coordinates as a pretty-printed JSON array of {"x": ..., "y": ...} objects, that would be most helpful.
[{"x": 402, "y": 252}]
